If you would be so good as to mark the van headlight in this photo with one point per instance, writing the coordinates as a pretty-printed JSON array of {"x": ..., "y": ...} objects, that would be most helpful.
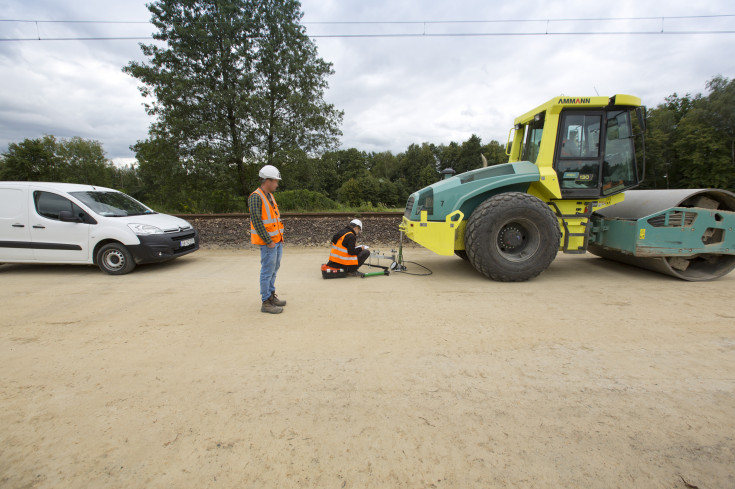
[{"x": 142, "y": 229}]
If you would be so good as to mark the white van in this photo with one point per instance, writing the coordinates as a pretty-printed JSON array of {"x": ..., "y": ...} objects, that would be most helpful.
[{"x": 44, "y": 222}]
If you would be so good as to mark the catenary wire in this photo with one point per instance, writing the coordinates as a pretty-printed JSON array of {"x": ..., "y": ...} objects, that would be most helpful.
[
  {"x": 407, "y": 35},
  {"x": 549, "y": 21},
  {"x": 378, "y": 22}
]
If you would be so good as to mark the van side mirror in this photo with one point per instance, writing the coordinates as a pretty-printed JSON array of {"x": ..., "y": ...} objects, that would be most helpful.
[{"x": 67, "y": 216}]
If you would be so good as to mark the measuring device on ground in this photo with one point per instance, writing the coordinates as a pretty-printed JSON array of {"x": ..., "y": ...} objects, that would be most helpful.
[{"x": 397, "y": 264}]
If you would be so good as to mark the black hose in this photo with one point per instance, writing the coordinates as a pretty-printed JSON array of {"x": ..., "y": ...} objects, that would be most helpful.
[{"x": 418, "y": 265}]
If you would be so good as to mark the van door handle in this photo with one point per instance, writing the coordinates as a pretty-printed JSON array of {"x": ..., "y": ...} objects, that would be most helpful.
[
  {"x": 37, "y": 226},
  {"x": 18, "y": 225}
]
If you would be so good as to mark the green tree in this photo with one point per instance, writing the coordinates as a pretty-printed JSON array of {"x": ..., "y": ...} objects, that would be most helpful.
[
  {"x": 84, "y": 161},
  {"x": 704, "y": 155},
  {"x": 162, "y": 175},
  {"x": 31, "y": 160},
  {"x": 386, "y": 193},
  {"x": 290, "y": 80},
  {"x": 690, "y": 140},
  {"x": 705, "y": 140},
  {"x": 351, "y": 192},
  {"x": 383, "y": 165},
  {"x": 47, "y": 159},
  {"x": 413, "y": 161},
  {"x": 721, "y": 104},
  {"x": 427, "y": 176},
  {"x": 660, "y": 156},
  {"x": 495, "y": 153},
  {"x": 351, "y": 163},
  {"x": 469, "y": 155},
  {"x": 237, "y": 81},
  {"x": 448, "y": 156}
]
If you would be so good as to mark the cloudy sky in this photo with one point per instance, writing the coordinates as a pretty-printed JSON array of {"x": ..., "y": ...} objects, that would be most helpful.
[{"x": 439, "y": 87}]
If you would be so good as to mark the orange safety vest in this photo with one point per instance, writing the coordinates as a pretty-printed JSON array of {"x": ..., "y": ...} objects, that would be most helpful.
[
  {"x": 271, "y": 218},
  {"x": 339, "y": 253}
]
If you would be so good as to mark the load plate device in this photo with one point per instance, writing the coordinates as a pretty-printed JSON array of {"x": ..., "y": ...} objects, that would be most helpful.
[{"x": 568, "y": 187}]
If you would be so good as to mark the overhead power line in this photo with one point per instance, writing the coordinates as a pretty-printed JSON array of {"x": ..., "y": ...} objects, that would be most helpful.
[
  {"x": 507, "y": 21},
  {"x": 659, "y": 30},
  {"x": 458, "y": 34},
  {"x": 377, "y": 22}
]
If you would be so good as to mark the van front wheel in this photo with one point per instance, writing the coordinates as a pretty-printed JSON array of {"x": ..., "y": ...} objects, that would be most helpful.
[{"x": 115, "y": 259}]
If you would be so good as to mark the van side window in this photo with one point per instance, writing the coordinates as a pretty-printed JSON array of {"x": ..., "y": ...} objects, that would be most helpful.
[{"x": 49, "y": 205}]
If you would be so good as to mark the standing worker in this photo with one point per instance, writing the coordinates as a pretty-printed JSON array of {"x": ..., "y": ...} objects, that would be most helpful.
[
  {"x": 344, "y": 253},
  {"x": 266, "y": 230}
]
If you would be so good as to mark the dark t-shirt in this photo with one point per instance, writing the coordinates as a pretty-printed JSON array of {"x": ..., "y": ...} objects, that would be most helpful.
[{"x": 349, "y": 242}]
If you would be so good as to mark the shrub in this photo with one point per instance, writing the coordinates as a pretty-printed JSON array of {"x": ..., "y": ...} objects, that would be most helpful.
[{"x": 304, "y": 200}]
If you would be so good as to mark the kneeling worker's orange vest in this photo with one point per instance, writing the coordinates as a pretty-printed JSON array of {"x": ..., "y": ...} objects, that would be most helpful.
[
  {"x": 271, "y": 218},
  {"x": 339, "y": 253}
]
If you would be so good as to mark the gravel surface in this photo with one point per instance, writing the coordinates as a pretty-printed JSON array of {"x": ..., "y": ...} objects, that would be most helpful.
[
  {"x": 228, "y": 232},
  {"x": 171, "y": 377}
]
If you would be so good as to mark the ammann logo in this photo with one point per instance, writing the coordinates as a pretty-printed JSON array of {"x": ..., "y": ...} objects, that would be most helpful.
[{"x": 574, "y": 101}]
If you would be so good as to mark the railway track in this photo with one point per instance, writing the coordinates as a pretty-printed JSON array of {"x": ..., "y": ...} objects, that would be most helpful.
[
  {"x": 302, "y": 229},
  {"x": 246, "y": 215}
]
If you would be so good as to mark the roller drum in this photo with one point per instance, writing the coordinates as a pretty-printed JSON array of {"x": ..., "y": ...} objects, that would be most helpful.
[{"x": 642, "y": 203}]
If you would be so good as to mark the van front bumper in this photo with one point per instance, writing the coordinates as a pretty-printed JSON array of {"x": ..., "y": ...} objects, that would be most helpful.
[{"x": 162, "y": 247}]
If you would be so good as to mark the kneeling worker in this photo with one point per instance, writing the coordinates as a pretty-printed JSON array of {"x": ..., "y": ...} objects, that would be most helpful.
[{"x": 344, "y": 253}]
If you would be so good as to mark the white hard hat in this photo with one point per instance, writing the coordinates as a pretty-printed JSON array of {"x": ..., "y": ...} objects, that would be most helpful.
[
  {"x": 356, "y": 222},
  {"x": 269, "y": 171}
]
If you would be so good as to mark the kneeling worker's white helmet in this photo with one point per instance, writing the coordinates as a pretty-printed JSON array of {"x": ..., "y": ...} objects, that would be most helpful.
[
  {"x": 356, "y": 222},
  {"x": 270, "y": 171}
]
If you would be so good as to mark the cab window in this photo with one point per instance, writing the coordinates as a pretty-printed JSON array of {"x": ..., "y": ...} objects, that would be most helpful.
[
  {"x": 531, "y": 147},
  {"x": 618, "y": 166},
  {"x": 578, "y": 164},
  {"x": 49, "y": 205}
]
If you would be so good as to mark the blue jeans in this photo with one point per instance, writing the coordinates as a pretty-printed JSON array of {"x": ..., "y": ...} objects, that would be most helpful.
[{"x": 270, "y": 262}]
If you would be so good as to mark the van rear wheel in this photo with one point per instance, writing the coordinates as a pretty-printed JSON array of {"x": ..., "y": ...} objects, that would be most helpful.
[{"x": 115, "y": 259}]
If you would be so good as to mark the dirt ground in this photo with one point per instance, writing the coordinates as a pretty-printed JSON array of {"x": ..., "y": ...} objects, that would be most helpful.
[{"x": 593, "y": 375}]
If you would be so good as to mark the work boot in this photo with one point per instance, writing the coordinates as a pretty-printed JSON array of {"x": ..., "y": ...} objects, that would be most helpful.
[
  {"x": 276, "y": 301},
  {"x": 269, "y": 307}
]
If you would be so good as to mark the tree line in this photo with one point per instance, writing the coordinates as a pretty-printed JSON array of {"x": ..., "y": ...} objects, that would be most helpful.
[
  {"x": 336, "y": 179},
  {"x": 690, "y": 139}
]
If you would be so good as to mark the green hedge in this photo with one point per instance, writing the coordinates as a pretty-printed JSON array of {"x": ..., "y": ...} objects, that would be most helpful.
[{"x": 304, "y": 200}]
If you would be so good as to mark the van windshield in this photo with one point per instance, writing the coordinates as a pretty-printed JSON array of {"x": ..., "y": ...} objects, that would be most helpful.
[{"x": 112, "y": 204}]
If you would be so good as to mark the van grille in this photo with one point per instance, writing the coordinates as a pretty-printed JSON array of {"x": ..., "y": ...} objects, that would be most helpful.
[
  {"x": 183, "y": 237},
  {"x": 177, "y": 230}
]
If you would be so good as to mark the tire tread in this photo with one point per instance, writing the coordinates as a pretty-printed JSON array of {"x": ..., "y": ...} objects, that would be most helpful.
[{"x": 492, "y": 206}]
